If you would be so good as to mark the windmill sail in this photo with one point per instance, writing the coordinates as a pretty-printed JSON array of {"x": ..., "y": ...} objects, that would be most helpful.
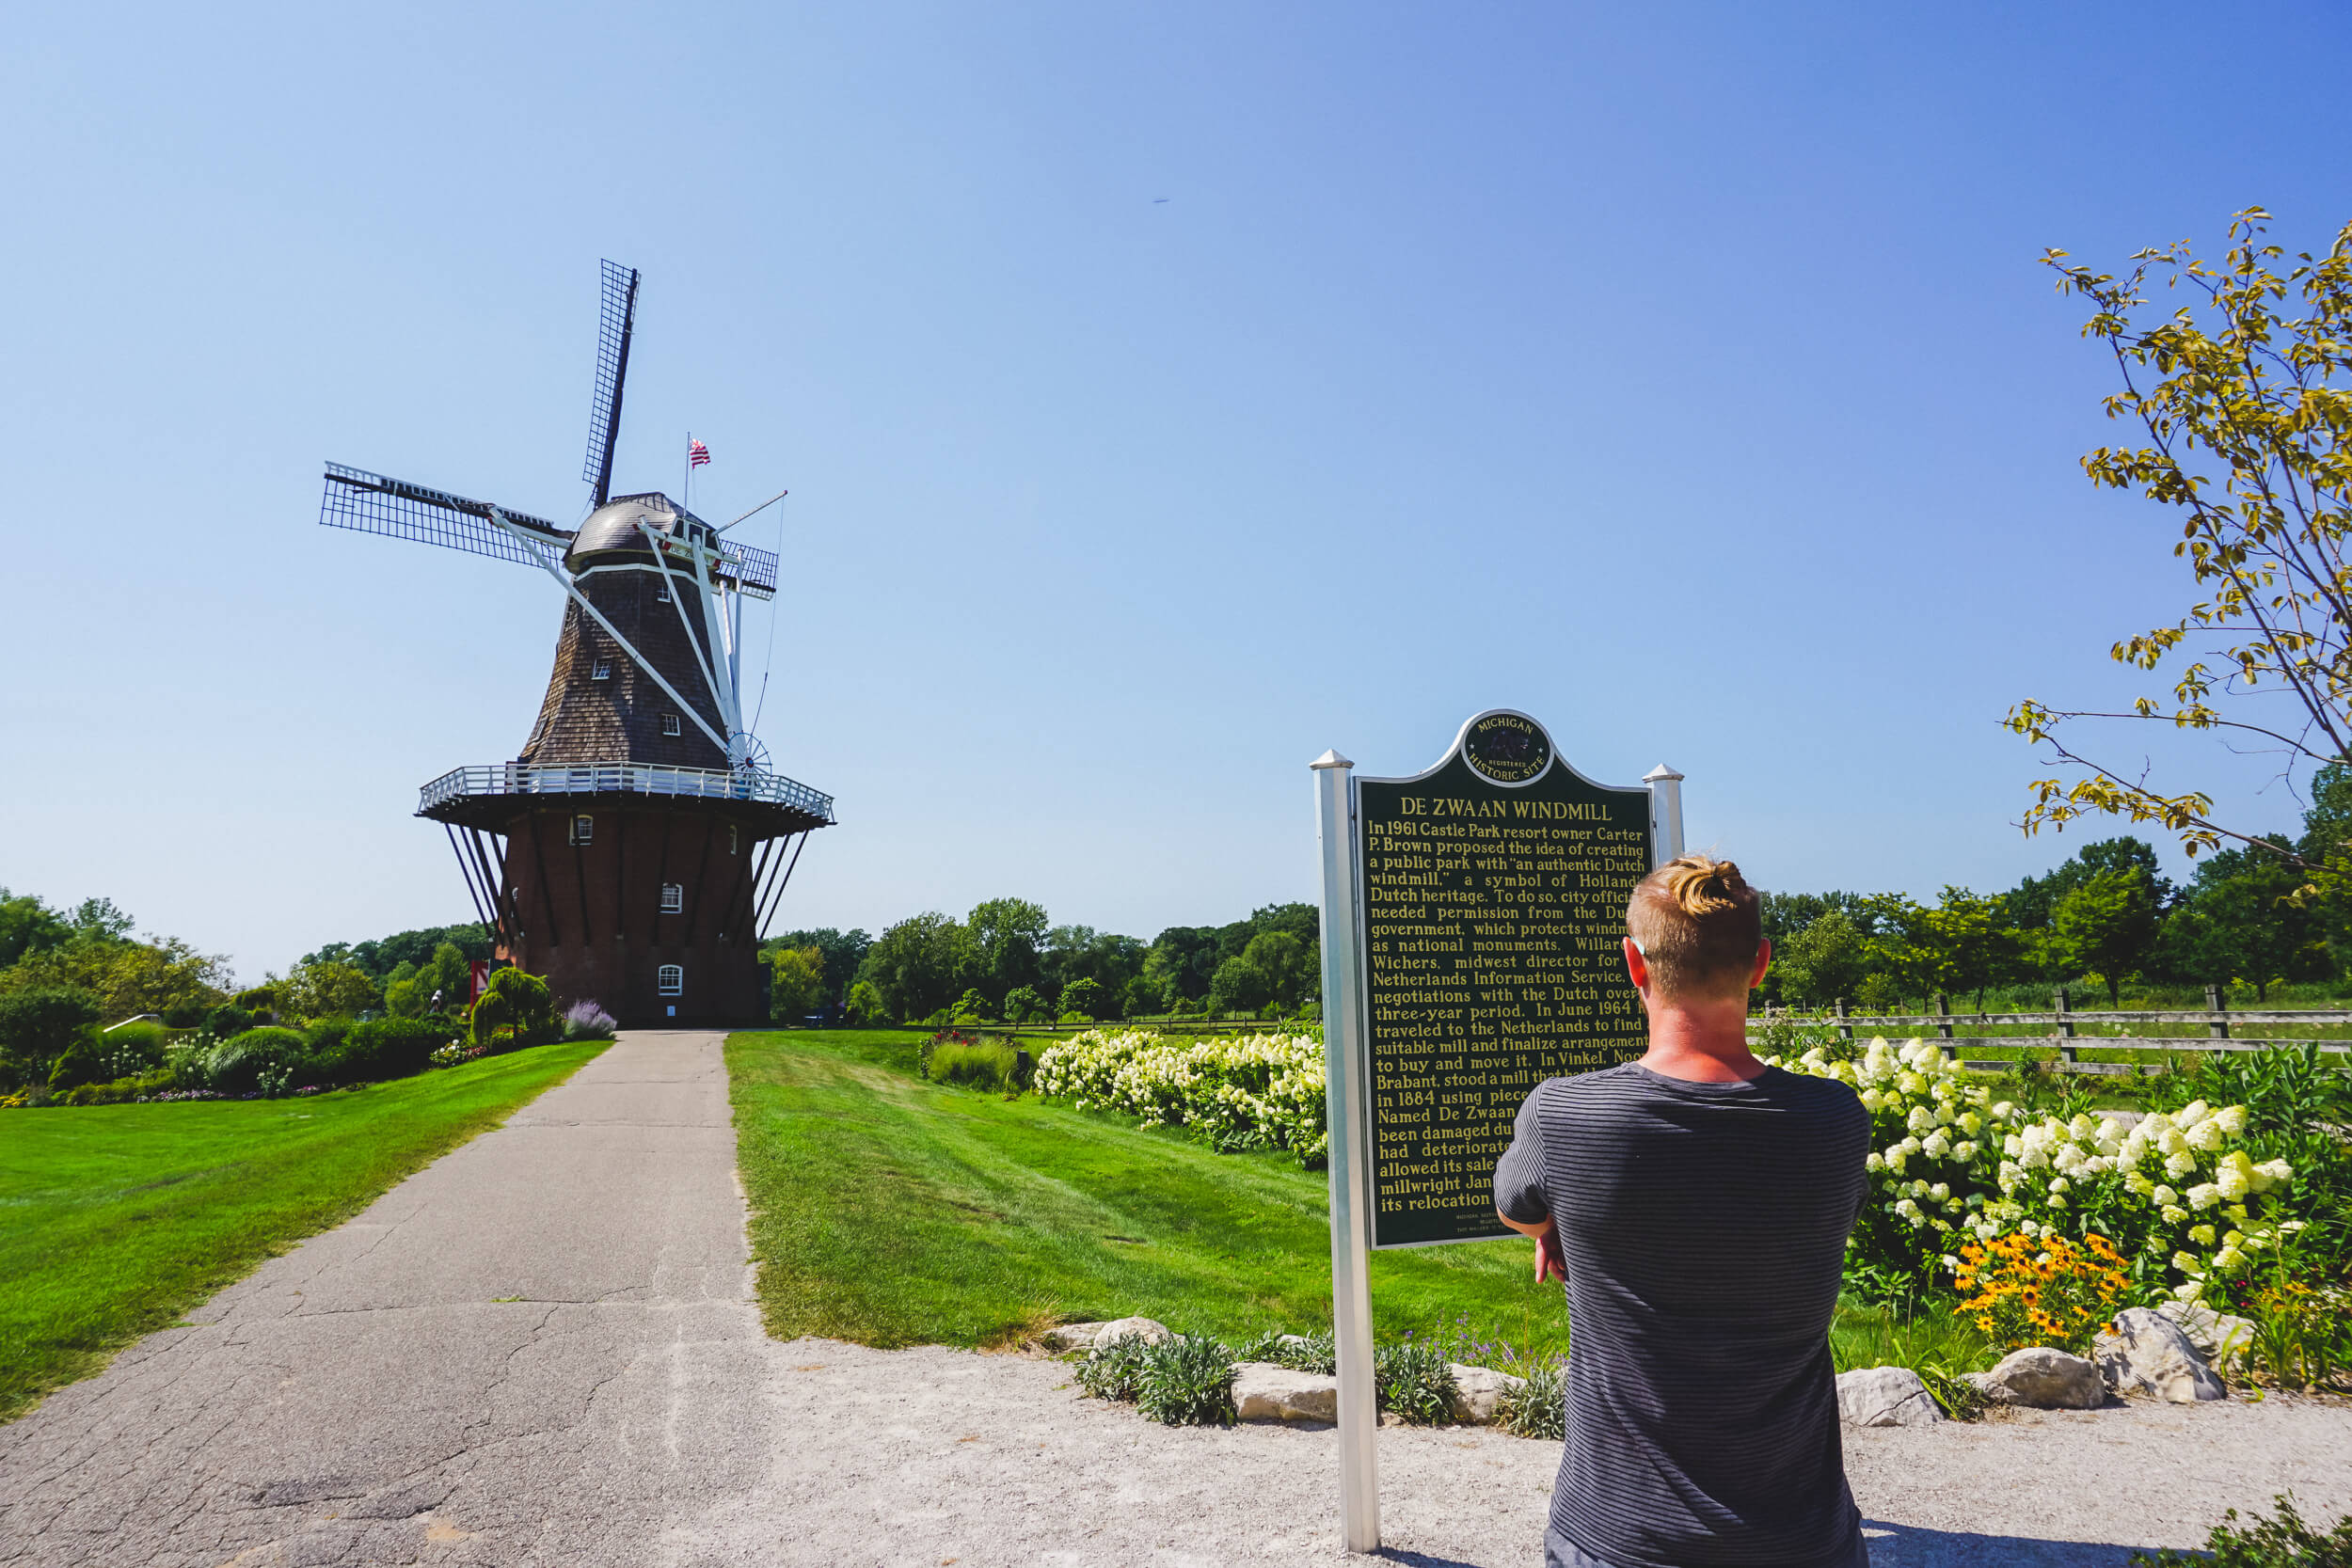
[
  {"x": 372, "y": 503},
  {"x": 604, "y": 410}
]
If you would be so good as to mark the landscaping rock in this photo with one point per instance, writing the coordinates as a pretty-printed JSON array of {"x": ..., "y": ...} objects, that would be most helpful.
[
  {"x": 2148, "y": 1355},
  {"x": 1477, "y": 1391},
  {"x": 1146, "y": 1329},
  {"x": 2220, "y": 1338},
  {"x": 1886, "y": 1396},
  {"x": 2042, "y": 1379},
  {"x": 1070, "y": 1336},
  {"x": 1265, "y": 1392}
]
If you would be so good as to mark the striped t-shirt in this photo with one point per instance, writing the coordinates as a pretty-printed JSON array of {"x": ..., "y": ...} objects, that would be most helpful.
[{"x": 1703, "y": 1227}]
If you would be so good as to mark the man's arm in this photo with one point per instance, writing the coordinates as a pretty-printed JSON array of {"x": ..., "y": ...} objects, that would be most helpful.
[{"x": 1520, "y": 1201}]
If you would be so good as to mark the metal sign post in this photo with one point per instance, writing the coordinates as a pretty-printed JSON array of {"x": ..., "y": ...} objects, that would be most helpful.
[{"x": 1343, "y": 1066}]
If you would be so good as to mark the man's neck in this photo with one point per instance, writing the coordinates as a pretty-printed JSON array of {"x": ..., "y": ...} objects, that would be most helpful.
[{"x": 1701, "y": 1043}]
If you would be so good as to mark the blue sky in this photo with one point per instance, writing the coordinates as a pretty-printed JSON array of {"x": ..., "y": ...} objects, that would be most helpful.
[{"x": 1681, "y": 375}]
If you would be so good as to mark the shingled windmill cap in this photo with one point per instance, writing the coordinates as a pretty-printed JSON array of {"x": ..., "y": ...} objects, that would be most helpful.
[{"x": 616, "y": 529}]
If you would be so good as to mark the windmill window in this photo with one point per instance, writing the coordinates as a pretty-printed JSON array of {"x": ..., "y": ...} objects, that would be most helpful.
[
  {"x": 669, "y": 723},
  {"x": 670, "y": 979},
  {"x": 661, "y": 592},
  {"x": 604, "y": 670},
  {"x": 735, "y": 839},
  {"x": 673, "y": 898},
  {"x": 583, "y": 829}
]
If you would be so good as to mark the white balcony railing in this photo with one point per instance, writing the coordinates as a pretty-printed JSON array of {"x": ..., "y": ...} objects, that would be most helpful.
[{"x": 632, "y": 778}]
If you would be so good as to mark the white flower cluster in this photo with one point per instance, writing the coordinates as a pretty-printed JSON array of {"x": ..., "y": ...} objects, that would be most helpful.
[
  {"x": 1986, "y": 1167},
  {"x": 1258, "y": 1091}
]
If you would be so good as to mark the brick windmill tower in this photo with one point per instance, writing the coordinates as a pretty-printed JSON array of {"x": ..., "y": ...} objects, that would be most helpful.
[{"x": 635, "y": 849}]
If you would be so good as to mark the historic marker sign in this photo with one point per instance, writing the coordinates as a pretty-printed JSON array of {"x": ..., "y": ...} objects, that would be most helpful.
[{"x": 1493, "y": 901}]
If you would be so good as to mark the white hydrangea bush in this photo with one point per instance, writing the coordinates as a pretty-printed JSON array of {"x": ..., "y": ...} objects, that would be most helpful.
[
  {"x": 2176, "y": 1194},
  {"x": 1257, "y": 1091}
]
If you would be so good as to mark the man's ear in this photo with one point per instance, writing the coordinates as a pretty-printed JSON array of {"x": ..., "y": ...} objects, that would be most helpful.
[
  {"x": 1636, "y": 967},
  {"x": 1763, "y": 962}
]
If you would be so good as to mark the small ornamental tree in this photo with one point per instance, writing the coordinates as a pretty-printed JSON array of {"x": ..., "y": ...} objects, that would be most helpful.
[
  {"x": 2247, "y": 412},
  {"x": 517, "y": 1000}
]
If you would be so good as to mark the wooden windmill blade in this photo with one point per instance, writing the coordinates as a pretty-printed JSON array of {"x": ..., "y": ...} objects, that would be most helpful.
[
  {"x": 372, "y": 503},
  {"x": 617, "y": 321}
]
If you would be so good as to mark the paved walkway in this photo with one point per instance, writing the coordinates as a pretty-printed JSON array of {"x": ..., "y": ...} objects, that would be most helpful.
[{"x": 542, "y": 1351}]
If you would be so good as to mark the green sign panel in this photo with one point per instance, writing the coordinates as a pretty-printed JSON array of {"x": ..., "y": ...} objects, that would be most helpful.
[{"x": 1494, "y": 894}]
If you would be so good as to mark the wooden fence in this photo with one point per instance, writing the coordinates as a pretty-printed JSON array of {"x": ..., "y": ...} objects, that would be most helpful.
[{"x": 2061, "y": 1025}]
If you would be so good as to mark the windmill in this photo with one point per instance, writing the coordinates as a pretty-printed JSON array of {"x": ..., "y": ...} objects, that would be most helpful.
[{"x": 636, "y": 847}]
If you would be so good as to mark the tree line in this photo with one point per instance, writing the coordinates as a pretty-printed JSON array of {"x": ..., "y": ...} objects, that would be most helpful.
[
  {"x": 1005, "y": 960},
  {"x": 2248, "y": 919}
]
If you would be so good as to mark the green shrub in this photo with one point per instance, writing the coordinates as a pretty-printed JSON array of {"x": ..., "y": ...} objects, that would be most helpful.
[
  {"x": 260, "y": 999},
  {"x": 1539, "y": 1407},
  {"x": 325, "y": 1035},
  {"x": 1300, "y": 1353},
  {"x": 385, "y": 1048},
  {"x": 1186, "y": 1381},
  {"x": 981, "y": 1064},
  {"x": 1113, "y": 1372},
  {"x": 239, "y": 1065},
  {"x": 1414, "y": 1379},
  {"x": 37, "y": 1026},
  {"x": 121, "y": 1092},
  {"x": 142, "y": 1037},
  {"x": 2285, "y": 1541},
  {"x": 184, "y": 1015},
  {"x": 227, "y": 1020}
]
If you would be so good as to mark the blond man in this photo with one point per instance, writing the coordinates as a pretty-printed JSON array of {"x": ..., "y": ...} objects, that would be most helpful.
[{"x": 1696, "y": 1204}]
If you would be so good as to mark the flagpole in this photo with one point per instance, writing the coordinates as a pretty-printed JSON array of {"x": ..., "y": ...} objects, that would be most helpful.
[{"x": 686, "y": 491}]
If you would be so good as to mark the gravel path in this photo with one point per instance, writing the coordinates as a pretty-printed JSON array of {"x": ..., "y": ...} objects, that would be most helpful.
[{"x": 542, "y": 1350}]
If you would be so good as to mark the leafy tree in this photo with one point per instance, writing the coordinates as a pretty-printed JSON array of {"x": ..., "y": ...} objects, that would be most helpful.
[
  {"x": 2106, "y": 926},
  {"x": 2030, "y": 904},
  {"x": 1239, "y": 985},
  {"x": 37, "y": 1023},
  {"x": 918, "y": 965},
  {"x": 447, "y": 973},
  {"x": 28, "y": 925},
  {"x": 1146, "y": 997},
  {"x": 379, "y": 958},
  {"x": 327, "y": 988},
  {"x": 1072, "y": 952},
  {"x": 1823, "y": 962},
  {"x": 1785, "y": 914},
  {"x": 128, "y": 978},
  {"x": 1023, "y": 1004},
  {"x": 100, "y": 919},
  {"x": 2248, "y": 412},
  {"x": 973, "y": 1006},
  {"x": 2240, "y": 922},
  {"x": 865, "y": 1003},
  {"x": 1972, "y": 944},
  {"x": 1004, "y": 935},
  {"x": 842, "y": 951},
  {"x": 1183, "y": 959},
  {"x": 799, "y": 987},
  {"x": 1082, "y": 996}
]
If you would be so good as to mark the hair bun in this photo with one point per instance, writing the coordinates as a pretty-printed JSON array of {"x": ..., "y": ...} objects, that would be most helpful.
[{"x": 1703, "y": 886}]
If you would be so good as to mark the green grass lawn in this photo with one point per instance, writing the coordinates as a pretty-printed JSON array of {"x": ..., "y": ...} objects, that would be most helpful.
[
  {"x": 892, "y": 1212},
  {"x": 115, "y": 1219}
]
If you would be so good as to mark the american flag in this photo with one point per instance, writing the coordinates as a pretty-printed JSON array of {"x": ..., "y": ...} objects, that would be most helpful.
[{"x": 696, "y": 453}]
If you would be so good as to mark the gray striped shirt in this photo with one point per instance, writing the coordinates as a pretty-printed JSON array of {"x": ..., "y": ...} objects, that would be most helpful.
[{"x": 1703, "y": 1227}]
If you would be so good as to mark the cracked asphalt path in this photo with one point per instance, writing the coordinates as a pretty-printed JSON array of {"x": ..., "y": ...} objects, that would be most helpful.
[
  {"x": 544, "y": 1349},
  {"x": 540, "y": 1349}
]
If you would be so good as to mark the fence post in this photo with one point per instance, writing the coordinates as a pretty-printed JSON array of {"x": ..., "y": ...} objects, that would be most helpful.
[
  {"x": 2218, "y": 1026},
  {"x": 1944, "y": 1031},
  {"x": 1844, "y": 1031},
  {"x": 2065, "y": 1026}
]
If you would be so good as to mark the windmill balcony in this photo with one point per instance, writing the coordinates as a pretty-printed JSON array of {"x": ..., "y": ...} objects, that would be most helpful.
[{"x": 470, "y": 796}]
